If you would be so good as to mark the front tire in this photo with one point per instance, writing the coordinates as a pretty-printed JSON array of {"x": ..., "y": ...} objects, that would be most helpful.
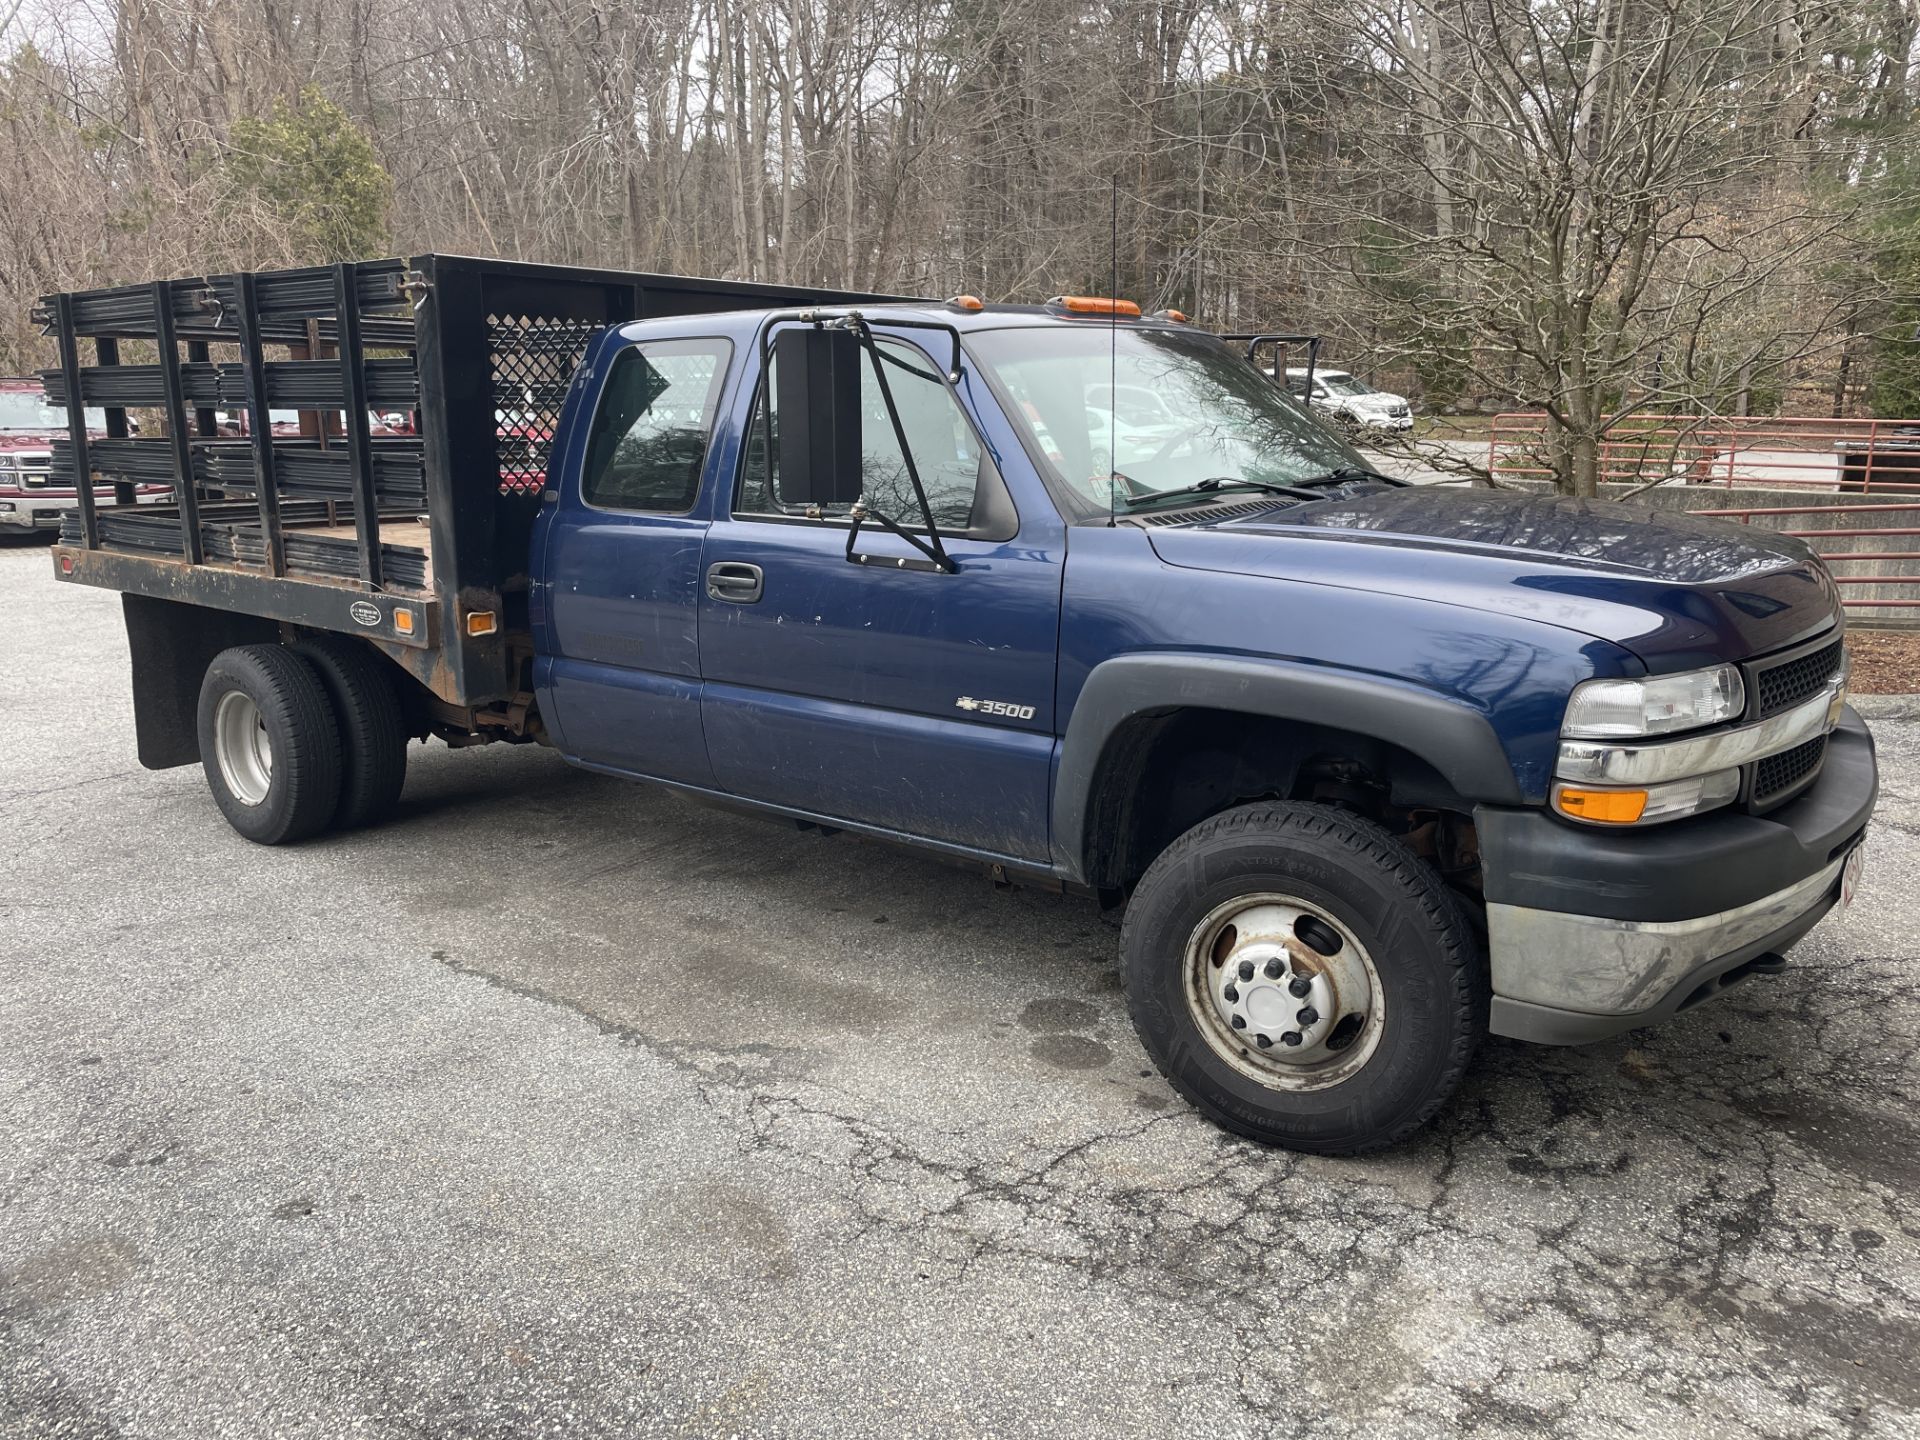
[
  {"x": 1302, "y": 978},
  {"x": 269, "y": 744}
]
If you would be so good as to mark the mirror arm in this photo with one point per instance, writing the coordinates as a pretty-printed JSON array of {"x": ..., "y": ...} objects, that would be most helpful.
[
  {"x": 937, "y": 558},
  {"x": 931, "y": 547},
  {"x": 935, "y": 552}
]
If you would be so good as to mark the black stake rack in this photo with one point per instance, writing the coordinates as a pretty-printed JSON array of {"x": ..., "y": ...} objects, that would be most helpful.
[{"x": 338, "y": 527}]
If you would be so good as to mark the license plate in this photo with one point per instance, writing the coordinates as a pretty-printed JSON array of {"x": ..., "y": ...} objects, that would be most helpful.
[{"x": 1850, "y": 874}]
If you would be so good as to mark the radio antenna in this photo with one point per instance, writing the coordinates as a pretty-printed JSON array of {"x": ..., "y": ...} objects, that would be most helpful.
[{"x": 1113, "y": 348}]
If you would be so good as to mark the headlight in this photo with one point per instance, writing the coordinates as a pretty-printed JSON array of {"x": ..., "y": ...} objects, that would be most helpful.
[{"x": 1657, "y": 705}]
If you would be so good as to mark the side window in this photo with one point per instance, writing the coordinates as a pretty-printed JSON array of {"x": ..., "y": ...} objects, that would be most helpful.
[
  {"x": 649, "y": 438},
  {"x": 949, "y": 456}
]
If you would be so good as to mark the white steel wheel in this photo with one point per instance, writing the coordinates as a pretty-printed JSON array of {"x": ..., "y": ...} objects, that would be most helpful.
[
  {"x": 1284, "y": 992},
  {"x": 242, "y": 748},
  {"x": 1313, "y": 930},
  {"x": 269, "y": 743}
]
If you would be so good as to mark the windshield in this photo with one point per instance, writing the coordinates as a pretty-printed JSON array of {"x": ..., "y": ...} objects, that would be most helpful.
[
  {"x": 1215, "y": 417},
  {"x": 23, "y": 410},
  {"x": 1339, "y": 383}
]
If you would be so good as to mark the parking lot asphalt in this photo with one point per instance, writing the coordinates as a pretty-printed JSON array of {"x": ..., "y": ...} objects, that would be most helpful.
[{"x": 562, "y": 1107}]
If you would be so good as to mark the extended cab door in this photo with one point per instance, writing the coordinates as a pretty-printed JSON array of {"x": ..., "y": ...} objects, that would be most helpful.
[
  {"x": 908, "y": 699},
  {"x": 623, "y": 554}
]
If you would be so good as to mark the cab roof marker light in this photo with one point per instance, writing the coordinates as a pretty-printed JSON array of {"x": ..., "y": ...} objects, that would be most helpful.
[
  {"x": 1096, "y": 305},
  {"x": 966, "y": 302}
]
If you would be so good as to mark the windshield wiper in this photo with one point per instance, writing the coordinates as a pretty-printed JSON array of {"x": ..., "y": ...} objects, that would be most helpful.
[
  {"x": 1340, "y": 474},
  {"x": 1223, "y": 482}
]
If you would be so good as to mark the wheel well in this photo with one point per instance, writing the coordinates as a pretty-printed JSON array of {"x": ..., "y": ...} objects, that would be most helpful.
[{"x": 1161, "y": 774}]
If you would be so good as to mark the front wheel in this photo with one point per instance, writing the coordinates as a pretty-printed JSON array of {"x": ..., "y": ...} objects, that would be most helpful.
[{"x": 1302, "y": 978}]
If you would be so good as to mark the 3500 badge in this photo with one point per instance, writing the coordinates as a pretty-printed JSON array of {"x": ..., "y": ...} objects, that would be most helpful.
[{"x": 1003, "y": 708}]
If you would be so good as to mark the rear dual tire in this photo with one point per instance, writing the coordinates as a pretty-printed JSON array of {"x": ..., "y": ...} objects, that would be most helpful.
[
  {"x": 298, "y": 740},
  {"x": 373, "y": 729}
]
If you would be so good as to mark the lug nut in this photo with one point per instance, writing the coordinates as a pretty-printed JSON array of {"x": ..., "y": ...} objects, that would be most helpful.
[
  {"x": 1231, "y": 994},
  {"x": 1239, "y": 1022},
  {"x": 1299, "y": 986},
  {"x": 1273, "y": 968},
  {"x": 1308, "y": 1016},
  {"x": 1246, "y": 969},
  {"x": 1292, "y": 1037},
  {"x": 1262, "y": 1041}
]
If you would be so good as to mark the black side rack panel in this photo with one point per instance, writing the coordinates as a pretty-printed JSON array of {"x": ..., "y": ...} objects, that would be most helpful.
[{"x": 337, "y": 526}]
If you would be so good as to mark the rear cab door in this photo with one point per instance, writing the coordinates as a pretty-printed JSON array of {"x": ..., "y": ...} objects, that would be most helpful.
[{"x": 619, "y": 669}]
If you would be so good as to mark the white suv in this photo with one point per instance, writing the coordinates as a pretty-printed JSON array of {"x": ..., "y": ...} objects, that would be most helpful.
[{"x": 1351, "y": 401}]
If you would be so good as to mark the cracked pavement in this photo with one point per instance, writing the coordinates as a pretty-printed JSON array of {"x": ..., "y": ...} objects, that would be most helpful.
[{"x": 560, "y": 1106}]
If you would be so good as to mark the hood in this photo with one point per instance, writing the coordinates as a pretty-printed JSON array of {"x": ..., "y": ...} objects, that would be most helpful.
[
  {"x": 1676, "y": 590},
  {"x": 1374, "y": 400},
  {"x": 11, "y": 440}
]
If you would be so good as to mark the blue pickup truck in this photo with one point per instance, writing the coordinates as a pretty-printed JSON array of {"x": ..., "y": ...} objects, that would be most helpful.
[{"x": 1374, "y": 769}]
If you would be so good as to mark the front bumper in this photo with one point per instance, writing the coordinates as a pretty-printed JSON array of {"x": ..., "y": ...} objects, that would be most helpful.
[
  {"x": 38, "y": 510},
  {"x": 33, "y": 512},
  {"x": 1592, "y": 933}
]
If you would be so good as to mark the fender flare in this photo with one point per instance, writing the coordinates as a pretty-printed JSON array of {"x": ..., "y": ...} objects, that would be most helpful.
[{"x": 1457, "y": 740}]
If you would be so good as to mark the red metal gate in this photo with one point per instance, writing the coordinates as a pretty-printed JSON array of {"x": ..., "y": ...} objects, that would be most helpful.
[{"x": 1790, "y": 451}]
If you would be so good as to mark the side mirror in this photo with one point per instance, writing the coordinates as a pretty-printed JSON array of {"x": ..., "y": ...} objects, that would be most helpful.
[{"x": 817, "y": 392}]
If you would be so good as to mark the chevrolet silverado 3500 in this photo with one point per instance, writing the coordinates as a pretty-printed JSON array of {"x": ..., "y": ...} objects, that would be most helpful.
[{"x": 1374, "y": 769}]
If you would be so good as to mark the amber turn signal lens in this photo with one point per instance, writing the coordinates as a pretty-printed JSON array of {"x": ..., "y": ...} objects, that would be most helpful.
[
  {"x": 482, "y": 622},
  {"x": 1607, "y": 807},
  {"x": 402, "y": 620},
  {"x": 1096, "y": 305}
]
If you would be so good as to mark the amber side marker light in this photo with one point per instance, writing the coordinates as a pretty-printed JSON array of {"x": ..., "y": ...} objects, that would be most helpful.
[
  {"x": 1096, "y": 305},
  {"x": 402, "y": 620},
  {"x": 482, "y": 622},
  {"x": 1607, "y": 807}
]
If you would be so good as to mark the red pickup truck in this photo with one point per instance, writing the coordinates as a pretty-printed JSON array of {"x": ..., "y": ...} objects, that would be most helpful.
[{"x": 29, "y": 498}]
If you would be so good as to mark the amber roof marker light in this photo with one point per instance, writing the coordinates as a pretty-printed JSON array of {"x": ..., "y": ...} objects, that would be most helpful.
[{"x": 1096, "y": 305}]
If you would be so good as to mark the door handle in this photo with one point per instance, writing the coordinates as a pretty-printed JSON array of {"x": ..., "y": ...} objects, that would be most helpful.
[{"x": 734, "y": 582}]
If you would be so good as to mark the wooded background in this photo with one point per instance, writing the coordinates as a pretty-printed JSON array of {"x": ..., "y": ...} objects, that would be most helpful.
[{"x": 1594, "y": 207}]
